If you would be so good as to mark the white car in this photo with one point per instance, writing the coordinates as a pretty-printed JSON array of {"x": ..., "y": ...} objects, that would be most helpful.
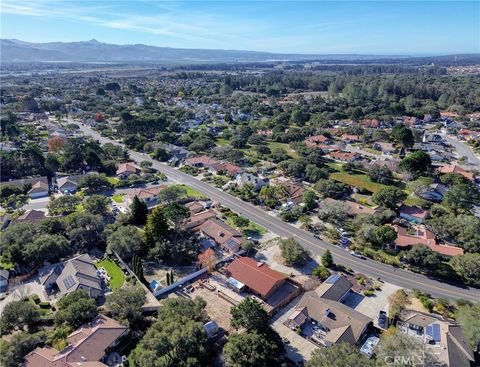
[{"x": 357, "y": 254}]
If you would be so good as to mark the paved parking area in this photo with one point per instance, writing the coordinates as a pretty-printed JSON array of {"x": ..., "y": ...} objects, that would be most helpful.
[{"x": 24, "y": 290}]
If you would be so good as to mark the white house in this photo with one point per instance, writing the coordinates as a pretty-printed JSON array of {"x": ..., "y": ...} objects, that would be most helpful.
[{"x": 249, "y": 178}]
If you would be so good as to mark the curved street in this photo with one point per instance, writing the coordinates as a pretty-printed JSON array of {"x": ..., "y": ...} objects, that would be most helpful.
[{"x": 399, "y": 277}]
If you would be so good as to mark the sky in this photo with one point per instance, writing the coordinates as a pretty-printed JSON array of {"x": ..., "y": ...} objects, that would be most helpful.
[{"x": 391, "y": 27}]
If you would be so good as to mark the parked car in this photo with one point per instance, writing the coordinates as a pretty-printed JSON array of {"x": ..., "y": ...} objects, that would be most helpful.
[
  {"x": 357, "y": 254},
  {"x": 382, "y": 320}
]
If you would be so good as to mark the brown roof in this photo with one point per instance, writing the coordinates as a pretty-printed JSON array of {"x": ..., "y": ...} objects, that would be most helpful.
[
  {"x": 350, "y": 137},
  {"x": 219, "y": 231},
  {"x": 316, "y": 140},
  {"x": 202, "y": 159},
  {"x": 31, "y": 215},
  {"x": 424, "y": 237},
  {"x": 293, "y": 190},
  {"x": 199, "y": 218},
  {"x": 354, "y": 208},
  {"x": 255, "y": 275},
  {"x": 126, "y": 167},
  {"x": 457, "y": 169},
  {"x": 194, "y": 207},
  {"x": 148, "y": 192},
  {"x": 334, "y": 287},
  {"x": 344, "y": 156},
  {"x": 342, "y": 323},
  {"x": 86, "y": 345},
  {"x": 229, "y": 168},
  {"x": 413, "y": 211}
]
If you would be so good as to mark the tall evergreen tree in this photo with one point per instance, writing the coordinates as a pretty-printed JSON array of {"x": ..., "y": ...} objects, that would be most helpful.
[{"x": 139, "y": 211}]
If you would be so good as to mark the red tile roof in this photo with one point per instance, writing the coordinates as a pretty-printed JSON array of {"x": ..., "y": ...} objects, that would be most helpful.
[
  {"x": 413, "y": 211},
  {"x": 255, "y": 275},
  {"x": 350, "y": 137},
  {"x": 457, "y": 169},
  {"x": 424, "y": 237},
  {"x": 344, "y": 156},
  {"x": 126, "y": 167},
  {"x": 316, "y": 140}
]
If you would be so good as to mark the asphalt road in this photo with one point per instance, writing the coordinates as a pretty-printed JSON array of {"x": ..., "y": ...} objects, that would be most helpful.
[
  {"x": 463, "y": 150},
  {"x": 399, "y": 277}
]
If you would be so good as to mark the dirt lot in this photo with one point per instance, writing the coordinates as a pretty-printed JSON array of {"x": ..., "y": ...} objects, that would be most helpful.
[
  {"x": 158, "y": 272},
  {"x": 217, "y": 307}
]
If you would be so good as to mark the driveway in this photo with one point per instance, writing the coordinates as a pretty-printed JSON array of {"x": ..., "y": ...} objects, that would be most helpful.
[
  {"x": 27, "y": 289},
  {"x": 37, "y": 204}
]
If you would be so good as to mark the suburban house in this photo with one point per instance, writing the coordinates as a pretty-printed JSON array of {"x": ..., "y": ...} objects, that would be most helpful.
[
  {"x": 198, "y": 218},
  {"x": 177, "y": 153},
  {"x": 354, "y": 208},
  {"x": 89, "y": 345},
  {"x": 423, "y": 236},
  {"x": 226, "y": 168},
  {"x": 200, "y": 161},
  {"x": 336, "y": 288},
  {"x": 347, "y": 138},
  {"x": 228, "y": 238},
  {"x": 74, "y": 274},
  {"x": 442, "y": 338},
  {"x": 317, "y": 141},
  {"x": 265, "y": 133},
  {"x": 126, "y": 169},
  {"x": 246, "y": 178},
  {"x": 39, "y": 190},
  {"x": 457, "y": 169},
  {"x": 4, "y": 276},
  {"x": 435, "y": 192},
  {"x": 294, "y": 191},
  {"x": 387, "y": 148},
  {"x": 328, "y": 322},
  {"x": 65, "y": 185},
  {"x": 195, "y": 207},
  {"x": 149, "y": 195},
  {"x": 413, "y": 214},
  {"x": 370, "y": 123},
  {"x": 273, "y": 287},
  {"x": 345, "y": 156},
  {"x": 30, "y": 216}
]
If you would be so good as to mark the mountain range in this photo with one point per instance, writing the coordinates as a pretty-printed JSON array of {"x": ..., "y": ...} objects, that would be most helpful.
[{"x": 13, "y": 50}]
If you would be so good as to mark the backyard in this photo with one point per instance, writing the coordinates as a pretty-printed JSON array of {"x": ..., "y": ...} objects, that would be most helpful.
[{"x": 117, "y": 278}]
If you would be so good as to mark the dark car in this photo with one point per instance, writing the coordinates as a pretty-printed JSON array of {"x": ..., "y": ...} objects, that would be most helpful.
[{"x": 382, "y": 320}]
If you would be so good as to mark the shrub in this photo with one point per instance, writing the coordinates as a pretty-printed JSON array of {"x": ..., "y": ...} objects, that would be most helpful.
[
  {"x": 45, "y": 305},
  {"x": 35, "y": 298},
  {"x": 368, "y": 293},
  {"x": 321, "y": 272}
]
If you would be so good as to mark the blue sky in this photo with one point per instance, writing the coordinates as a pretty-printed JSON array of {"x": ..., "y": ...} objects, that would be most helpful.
[{"x": 379, "y": 27}]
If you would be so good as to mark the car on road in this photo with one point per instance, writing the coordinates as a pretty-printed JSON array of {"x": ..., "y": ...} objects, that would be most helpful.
[
  {"x": 382, "y": 320},
  {"x": 357, "y": 254}
]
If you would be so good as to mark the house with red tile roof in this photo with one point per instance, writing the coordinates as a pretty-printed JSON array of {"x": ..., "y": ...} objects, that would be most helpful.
[
  {"x": 457, "y": 169},
  {"x": 423, "y": 236},
  {"x": 197, "y": 219},
  {"x": 316, "y": 141},
  {"x": 265, "y": 133},
  {"x": 345, "y": 156},
  {"x": 86, "y": 346},
  {"x": 126, "y": 169},
  {"x": 201, "y": 161},
  {"x": 148, "y": 195},
  {"x": 413, "y": 214},
  {"x": 350, "y": 138},
  {"x": 260, "y": 279},
  {"x": 370, "y": 123},
  {"x": 226, "y": 168}
]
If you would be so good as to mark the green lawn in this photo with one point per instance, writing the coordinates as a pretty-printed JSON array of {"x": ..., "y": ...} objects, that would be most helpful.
[
  {"x": 284, "y": 146},
  {"x": 191, "y": 192},
  {"x": 118, "y": 198},
  {"x": 117, "y": 278},
  {"x": 253, "y": 229},
  {"x": 358, "y": 180},
  {"x": 113, "y": 180}
]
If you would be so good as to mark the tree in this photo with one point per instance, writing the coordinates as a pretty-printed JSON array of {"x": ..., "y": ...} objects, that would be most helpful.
[
  {"x": 422, "y": 257},
  {"x": 126, "y": 303},
  {"x": 94, "y": 182},
  {"x": 85, "y": 230},
  {"x": 156, "y": 227},
  {"x": 18, "y": 314},
  {"x": 420, "y": 186},
  {"x": 13, "y": 351},
  {"x": 55, "y": 144},
  {"x": 96, "y": 204},
  {"x": 250, "y": 315},
  {"x": 332, "y": 212},
  {"x": 292, "y": 252},
  {"x": 403, "y": 135},
  {"x": 75, "y": 308},
  {"x": 176, "y": 213},
  {"x": 398, "y": 301},
  {"x": 384, "y": 235},
  {"x": 139, "y": 211},
  {"x": 330, "y": 189},
  {"x": 309, "y": 200},
  {"x": 405, "y": 350},
  {"x": 250, "y": 349},
  {"x": 327, "y": 259},
  {"x": 177, "y": 338},
  {"x": 389, "y": 197},
  {"x": 172, "y": 193},
  {"x": 462, "y": 197},
  {"x": 125, "y": 241},
  {"x": 468, "y": 267},
  {"x": 417, "y": 163},
  {"x": 321, "y": 272},
  {"x": 315, "y": 173},
  {"x": 468, "y": 317},
  {"x": 46, "y": 247},
  {"x": 63, "y": 205},
  {"x": 342, "y": 354},
  {"x": 380, "y": 174}
]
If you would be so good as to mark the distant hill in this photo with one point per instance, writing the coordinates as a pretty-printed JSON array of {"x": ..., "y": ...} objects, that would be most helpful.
[{"x": 93, "y": 51}]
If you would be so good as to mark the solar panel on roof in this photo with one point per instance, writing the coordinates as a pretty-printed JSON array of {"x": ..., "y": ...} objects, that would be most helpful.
[
  {"x": 433, "y": 331},
  {"x": 332, "y": 279},
  {"x": 69, "y": 282}
]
